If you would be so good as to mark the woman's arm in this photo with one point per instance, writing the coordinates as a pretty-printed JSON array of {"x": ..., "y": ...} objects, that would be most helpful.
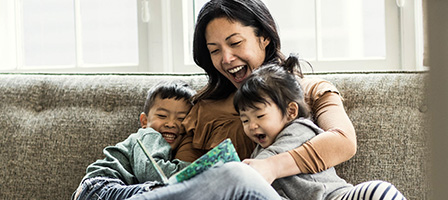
[
  {"x": 336, "y": 145},
  {"x": 328, "y": 149}
]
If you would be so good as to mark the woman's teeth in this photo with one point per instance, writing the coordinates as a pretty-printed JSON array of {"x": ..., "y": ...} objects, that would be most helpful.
[{"x": 235, "y": 70}]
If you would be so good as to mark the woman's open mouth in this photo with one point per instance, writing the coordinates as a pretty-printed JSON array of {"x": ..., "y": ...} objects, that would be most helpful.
[{"x": 238, "y": 73}]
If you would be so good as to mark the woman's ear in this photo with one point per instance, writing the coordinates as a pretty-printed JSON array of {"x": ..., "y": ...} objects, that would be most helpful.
[
  {"x": 264, "y": 42},
  {"x": 293, "y": 110},
  {"x": 143, "y": 120}
]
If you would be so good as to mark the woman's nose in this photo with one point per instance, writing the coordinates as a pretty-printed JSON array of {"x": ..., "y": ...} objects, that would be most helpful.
[{"x": 227, "y": 56}]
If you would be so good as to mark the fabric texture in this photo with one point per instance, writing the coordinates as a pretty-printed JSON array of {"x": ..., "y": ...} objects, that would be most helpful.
[
  {"x": 111, "y": 188},
  {"x": 127, "y": 161},
  {"x": 251, "y": 185},
  {"x": 52, "y": 126},
  {"x": 207, "y": 118},
  {"x": 211, "y": 121},
  {"x": 323, "y": 185}
]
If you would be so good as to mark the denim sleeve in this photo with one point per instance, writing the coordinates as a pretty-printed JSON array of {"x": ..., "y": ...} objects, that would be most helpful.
[{"x": 109, "y": 188}]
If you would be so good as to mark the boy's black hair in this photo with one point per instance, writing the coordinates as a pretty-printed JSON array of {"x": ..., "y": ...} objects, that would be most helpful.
[
  {"x": 166, "y": 90},
  {"x": 275, "y": 82}
]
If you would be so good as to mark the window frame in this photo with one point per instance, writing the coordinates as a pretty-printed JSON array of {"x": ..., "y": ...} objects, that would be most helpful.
[
  {"x": 17, "y": 47},
  {"x": 404, "y": 43},
  {"x": 165, "y": 42}
]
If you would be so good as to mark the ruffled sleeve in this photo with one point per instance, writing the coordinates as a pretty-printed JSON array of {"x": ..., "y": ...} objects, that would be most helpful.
[{"x": 208, "y": 124}]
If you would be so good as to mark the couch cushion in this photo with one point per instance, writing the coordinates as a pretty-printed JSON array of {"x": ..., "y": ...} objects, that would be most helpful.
[
  {"x": 53, "y": 126},
  {"x": 389, "y": 112}
]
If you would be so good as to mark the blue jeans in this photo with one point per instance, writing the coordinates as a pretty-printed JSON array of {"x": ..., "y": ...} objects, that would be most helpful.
[
  {"x": 111, "y": 188},
  {"x": 232, "y": 180},
  {"x": 229, "y": 181}
]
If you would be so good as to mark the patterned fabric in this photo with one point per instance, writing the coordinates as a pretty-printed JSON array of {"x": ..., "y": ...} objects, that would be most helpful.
[{"x": 373, "y": 190}]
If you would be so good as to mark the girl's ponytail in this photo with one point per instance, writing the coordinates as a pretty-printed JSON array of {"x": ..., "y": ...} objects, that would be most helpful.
[{"x": 292, "y": 65}]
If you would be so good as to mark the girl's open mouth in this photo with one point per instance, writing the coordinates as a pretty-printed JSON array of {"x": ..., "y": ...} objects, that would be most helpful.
[{"x": 261, "y": 137}]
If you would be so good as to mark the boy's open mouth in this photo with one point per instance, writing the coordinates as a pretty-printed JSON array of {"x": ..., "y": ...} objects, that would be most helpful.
[
  {"x": 239, "y": 72},
  {"x": 169, "y": 137}
]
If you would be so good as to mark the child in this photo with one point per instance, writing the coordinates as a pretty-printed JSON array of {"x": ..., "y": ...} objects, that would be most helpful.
[
  {"x": 126, "y": 171},
  {"x": 275, "y": 116}
]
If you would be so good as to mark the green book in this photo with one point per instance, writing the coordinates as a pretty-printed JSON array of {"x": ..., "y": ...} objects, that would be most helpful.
[{"x": 224, "y": 152}]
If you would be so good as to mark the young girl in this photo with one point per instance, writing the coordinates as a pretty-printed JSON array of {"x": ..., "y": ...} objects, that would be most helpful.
[{"x": 275, "y": 116}]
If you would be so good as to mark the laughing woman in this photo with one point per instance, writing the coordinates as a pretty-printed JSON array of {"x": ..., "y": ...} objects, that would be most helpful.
[{"x": 232, "y": 38}]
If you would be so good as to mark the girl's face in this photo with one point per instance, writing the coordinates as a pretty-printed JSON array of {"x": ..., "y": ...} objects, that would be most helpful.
[
  {"x": 263, "y": 124},
  {"x": 235, "y": 50}
]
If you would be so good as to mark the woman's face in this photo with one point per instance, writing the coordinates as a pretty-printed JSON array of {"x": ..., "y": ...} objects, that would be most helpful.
[{"x": 235, "y": 50}]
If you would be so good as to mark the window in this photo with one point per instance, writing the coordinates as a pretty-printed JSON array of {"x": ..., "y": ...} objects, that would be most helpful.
[
  {"x": 156, "y": 35},
  {"x": 350, "y": 35},
  {"x": 70, "y": 35}
]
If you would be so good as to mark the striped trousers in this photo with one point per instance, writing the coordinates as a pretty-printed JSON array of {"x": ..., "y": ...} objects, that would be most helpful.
[{"x": 373, "y": 190}]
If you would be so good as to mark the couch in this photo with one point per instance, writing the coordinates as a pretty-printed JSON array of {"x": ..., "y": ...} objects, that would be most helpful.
[{"x": 52, "y": 126}]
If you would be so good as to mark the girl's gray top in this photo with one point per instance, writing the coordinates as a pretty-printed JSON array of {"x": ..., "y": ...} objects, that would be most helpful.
[{"x": 324, "y": 185}]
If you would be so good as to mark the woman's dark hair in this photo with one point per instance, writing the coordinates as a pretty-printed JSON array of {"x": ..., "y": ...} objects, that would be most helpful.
[
  {"x": 251, "y": 13},
  {"x": 167, "y": 90},
  {"x": 279, "y": 83}
]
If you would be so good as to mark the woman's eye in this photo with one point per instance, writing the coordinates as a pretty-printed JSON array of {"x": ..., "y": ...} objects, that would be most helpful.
[
  {"x": 214, "y": 51},
  {"x": 236, "y": 43},
  {"x": 244, "y": 121},
  {"x": 181, "y": 118}
]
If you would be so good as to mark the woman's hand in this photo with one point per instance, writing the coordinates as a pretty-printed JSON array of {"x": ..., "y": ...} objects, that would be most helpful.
[{"x": 264, "y": 167}]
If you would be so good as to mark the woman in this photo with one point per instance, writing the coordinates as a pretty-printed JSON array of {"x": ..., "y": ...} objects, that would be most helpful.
[{"x": 231, "y": 39}]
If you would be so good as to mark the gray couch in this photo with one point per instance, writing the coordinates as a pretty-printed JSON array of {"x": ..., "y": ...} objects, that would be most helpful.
[{"x": 53, "y": 125}]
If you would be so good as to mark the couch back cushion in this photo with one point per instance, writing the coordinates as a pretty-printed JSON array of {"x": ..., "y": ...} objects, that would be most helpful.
[
  {"x": 389, "y": 113},
  {"x": 53, "y": 126}
]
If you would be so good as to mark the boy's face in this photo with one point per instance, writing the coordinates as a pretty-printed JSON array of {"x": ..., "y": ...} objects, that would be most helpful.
[
  {"x": 262, "y": 125},
  {"x": 166, "y": 116}
]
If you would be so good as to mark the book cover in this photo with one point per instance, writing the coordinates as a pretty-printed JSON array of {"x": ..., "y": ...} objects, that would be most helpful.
[{"x": 224, "y": 152}]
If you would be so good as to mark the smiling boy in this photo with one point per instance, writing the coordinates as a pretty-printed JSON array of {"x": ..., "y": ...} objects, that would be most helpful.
[{"x": 126, "y": 171}]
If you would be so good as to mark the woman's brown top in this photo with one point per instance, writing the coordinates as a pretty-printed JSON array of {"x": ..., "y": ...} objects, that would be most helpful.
[{"x": 211, "y": 121}]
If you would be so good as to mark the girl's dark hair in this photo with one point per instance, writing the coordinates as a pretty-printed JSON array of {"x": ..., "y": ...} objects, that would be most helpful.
[
  {"x": 167, "y": 90},
  {"x": 251, "y": 13},
  {"x": 278, "y": 83}
]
